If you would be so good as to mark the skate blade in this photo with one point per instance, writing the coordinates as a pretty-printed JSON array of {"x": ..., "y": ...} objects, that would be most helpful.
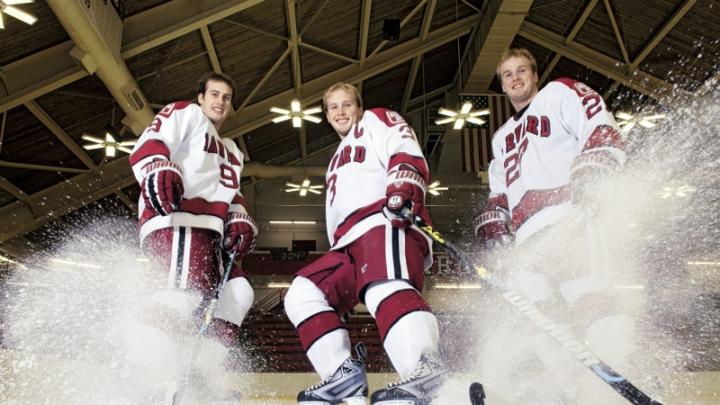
[{"x": 399, "y": 402}]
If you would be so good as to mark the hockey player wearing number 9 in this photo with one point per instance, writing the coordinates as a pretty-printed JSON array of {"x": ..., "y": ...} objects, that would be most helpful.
[
  {"x": 191, "y": 211},
  {"x": 375, "y": 258},
  {"x": 547, "y": 159}
]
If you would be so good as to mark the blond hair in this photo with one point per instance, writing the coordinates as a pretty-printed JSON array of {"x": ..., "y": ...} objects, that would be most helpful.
[
  {"x": 342, "y": 86},
  {"x": 516, "y": 52}
]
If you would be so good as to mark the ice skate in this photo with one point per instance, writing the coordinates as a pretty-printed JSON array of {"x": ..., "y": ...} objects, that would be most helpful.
[
  {"x": 347, "y": 385},
  {"x": 419, "y": 389}
]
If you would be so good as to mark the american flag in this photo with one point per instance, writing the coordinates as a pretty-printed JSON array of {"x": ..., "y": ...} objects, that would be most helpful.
[{"x": 476, "y": 140}]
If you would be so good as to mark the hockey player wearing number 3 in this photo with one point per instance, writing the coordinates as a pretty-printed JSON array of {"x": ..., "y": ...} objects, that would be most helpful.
[
  {"x": 547, "y": 159},
  {"x": 375, "y": 258},
  {"x": 191, "y": 210}
]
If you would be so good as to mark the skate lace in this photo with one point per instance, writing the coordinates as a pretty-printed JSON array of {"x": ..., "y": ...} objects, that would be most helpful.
[
  {"x": 321, "y": 383},
  {"x": 417, "y": 374}
]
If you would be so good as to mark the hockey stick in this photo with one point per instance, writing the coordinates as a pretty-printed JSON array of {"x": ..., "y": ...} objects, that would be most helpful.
[
  {"x": 477, "y": 394},
  {"x": 597, "y": 366},
  {"x": 172, "y": 394}
]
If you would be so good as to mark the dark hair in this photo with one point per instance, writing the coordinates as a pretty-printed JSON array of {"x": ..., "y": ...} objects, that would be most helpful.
[{"x": 218, "y": 77}]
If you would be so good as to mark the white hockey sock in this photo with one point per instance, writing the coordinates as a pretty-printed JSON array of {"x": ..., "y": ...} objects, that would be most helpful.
[
  {"x": 329, "y": 352},
  {"x": 413, "y": 334},
  {"x": 303, "y": 300},
  {"x": 235, "y": 301}
]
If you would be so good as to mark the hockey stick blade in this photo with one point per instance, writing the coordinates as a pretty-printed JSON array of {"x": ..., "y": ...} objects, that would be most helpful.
[
  {"x": 611, "y": 377},
  {"x": 477, "y": 394}
]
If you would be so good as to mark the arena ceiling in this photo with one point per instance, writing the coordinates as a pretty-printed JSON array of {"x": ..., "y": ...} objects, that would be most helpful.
[{"x": 59, "y": 79}]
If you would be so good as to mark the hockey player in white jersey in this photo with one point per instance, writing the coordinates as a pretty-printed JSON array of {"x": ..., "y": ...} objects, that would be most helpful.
[
  {"x": 191, "y": 210},
  {"x": 375, "y": 258},
  {"x": 547, "y": 159},
  {"x": 547, "y": 154}
]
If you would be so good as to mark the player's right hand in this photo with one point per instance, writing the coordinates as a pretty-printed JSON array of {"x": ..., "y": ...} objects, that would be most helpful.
[
  {"x": 405, "y": 189},
  {"x": 492, "y": 229},
  {"x": 240, "y": 233},
  {"x": 162, "y": 186}
]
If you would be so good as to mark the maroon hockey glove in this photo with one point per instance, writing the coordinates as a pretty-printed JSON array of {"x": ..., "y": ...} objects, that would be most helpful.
[
  {"x": 240, "y": 231},
  {"x": 162, "y": 186},
  {"x": 405, "y": 189},
  {"x": 493, "y": 230}
]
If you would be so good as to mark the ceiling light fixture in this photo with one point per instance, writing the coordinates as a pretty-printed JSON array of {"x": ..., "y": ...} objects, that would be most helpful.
[
  {"x": 296, "y": 114},
  {"x": 680, "y": 192},
  {"x": 303, "y": 188},
  {"x": 459, "y": 118},
  {"x": 6, "y": 6},
  {"x": 703, "y": 263},
  {"x": 628, "y": 121},
  {"x": 466, "y": 113},
  {"x": 282, "y": 222},
  {"x": 109, "y": 144},
  {"x": 278, "y": 285},
  {"x": 435, "y": 189}
]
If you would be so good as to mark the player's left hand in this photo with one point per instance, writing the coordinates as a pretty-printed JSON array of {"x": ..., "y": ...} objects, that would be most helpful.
[
  {"x": 240, "y": 232},
  {"x": 402, "y": 194}
]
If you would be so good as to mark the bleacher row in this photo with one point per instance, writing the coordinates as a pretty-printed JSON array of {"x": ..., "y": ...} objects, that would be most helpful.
[{"x": 272, "y": 344}]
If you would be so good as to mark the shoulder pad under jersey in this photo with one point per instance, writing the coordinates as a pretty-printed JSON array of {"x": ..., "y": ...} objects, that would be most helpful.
[{"x": 388, "y": 117}]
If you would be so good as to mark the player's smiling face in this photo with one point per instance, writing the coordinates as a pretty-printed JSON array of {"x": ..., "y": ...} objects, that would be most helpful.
[
  {"x": 216, "y": 102},
  {"x": 342, "y": 111},
  {"x": 519, "y": 81}
]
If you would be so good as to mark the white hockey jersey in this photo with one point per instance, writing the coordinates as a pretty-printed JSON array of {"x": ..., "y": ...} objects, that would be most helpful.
[
  {"x": 534, "y": 151},
  {"x": 357, "y": 175},
  {"x": 211, "y": 169}
]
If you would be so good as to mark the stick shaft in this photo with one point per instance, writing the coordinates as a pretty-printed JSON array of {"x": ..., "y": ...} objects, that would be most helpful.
[{"x": 619, "y": 383}]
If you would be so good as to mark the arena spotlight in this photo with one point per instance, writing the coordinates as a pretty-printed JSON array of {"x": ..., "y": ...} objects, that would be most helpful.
[
  {"x": 296, "y": 114},
  {"x": 110, "y": 145},
  {"x": 465, "y": 115},
  {"x": 676, "y": 191},
  {"x": 434, "y": 188},
  {"x": 8, "y": 7},
  {"x": 303, "y": 188},
  {"x": 628, "y": 121}
]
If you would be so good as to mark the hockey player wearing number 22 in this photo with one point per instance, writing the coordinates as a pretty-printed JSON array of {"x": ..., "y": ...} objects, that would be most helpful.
[
  {"x": 191, "y": 209},
  {"x": 548, "y": 160},
  {"x": 375, "y": 258}
]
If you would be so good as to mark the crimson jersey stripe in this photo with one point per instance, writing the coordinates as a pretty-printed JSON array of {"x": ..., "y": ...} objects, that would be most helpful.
[
  {"x": 397, "y": 305},
  {"x": 357, "y": 216},
  {"x": 317, "y": 326},
  {"x": 604, "y": 136},
  {"x": 535, "y": 200},
  {"x": 196, "y": 206},
  {"x": 149, "y": 148},
  {"x": 417, "y": 162}
]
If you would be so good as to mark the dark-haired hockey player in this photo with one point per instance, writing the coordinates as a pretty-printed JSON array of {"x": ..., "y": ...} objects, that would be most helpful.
[{"x": 191, "y": 209}]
